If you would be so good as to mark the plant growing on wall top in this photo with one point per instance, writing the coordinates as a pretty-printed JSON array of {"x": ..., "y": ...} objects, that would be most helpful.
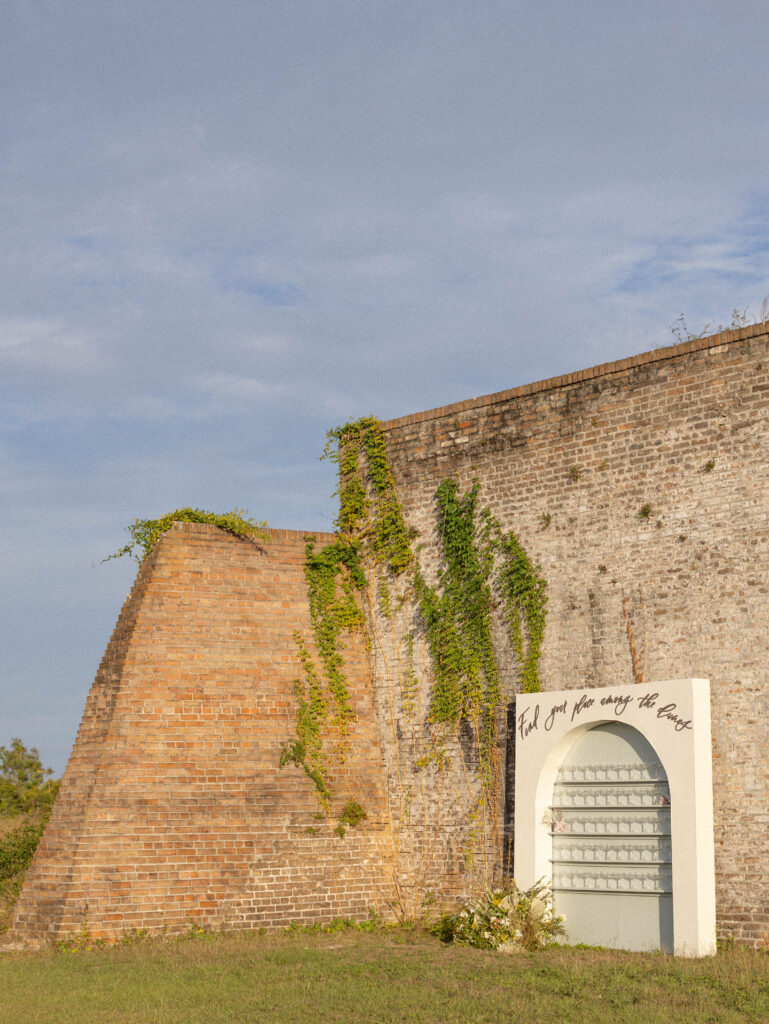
[{"x": 145, "y": 533}]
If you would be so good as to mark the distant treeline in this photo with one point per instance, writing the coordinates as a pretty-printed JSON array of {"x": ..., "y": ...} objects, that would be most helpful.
[{"x": 27, "y": 793}]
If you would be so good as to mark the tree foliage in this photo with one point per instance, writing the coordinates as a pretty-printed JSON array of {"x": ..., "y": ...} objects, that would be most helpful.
[
  {"x": 25, "y": 786},
  {"x": 27, "y": 792}
]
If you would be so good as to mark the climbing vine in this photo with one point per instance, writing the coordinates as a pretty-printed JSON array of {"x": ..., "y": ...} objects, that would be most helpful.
[
  {"x": 478, "y": 561},
  {"x": 524, "y": 593},
  {"x": 458, "y": 619},
  {"x": 382, "y": 529},
  {"x": 336, "y": 581},
  {"x": 371, "y": 574},
  {"x": 333, "y": 574},
  {"x": 306, "y": 750},
  {"x": 145, "y": 533}
]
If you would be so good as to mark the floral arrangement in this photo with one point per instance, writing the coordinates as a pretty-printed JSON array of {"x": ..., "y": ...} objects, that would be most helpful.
[{"x": 508, "y": 919}]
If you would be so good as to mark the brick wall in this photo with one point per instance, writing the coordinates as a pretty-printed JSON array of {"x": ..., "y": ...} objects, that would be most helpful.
[
  {"x": 569, "y": 464},
  {"x": 173, "y": 808}
]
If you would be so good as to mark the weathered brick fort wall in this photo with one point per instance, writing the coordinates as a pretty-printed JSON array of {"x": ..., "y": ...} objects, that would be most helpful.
[
  {"x": 641, "y": 488},
  {"x": 645, "y": 480},
  {"x": 173, "y": 808}
]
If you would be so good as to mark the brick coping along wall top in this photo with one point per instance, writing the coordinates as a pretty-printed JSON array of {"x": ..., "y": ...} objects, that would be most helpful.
[
  {"x": 601, "y": 370},
  {"x": 269, "y": 532}
]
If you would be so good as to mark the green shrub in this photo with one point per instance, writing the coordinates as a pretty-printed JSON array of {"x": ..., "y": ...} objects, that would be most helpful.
[
  {"x": 26, "y": 799},
  {"x": 17, "y": 849},
  {"x": 507, "y": 919}
]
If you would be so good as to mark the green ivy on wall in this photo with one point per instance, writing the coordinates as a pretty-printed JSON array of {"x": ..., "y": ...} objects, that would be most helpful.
[
  {"x": 382, "y": 529},
  {"x": 524, "y": 593},
  {"x": 306, "y": 750},
  {"x": 336, "y": 580},
  {"x": 457, "y": 613},
  {"x": 480, "y": 567},
  {"x": 478, "y": 561},
  {"x": 333, "y": 576}
]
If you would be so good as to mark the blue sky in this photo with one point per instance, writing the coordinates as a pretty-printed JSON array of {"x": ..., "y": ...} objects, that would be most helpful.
[{"x": 229, "y": 226}]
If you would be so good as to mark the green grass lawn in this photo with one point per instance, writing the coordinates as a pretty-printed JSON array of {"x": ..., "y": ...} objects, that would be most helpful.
[{"x": 385, "y": 976}]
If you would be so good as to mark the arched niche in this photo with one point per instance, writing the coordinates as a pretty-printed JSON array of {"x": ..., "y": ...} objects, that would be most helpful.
[
  {"x": 668, "y": 724},
  {"x": 610, "y": 829}
]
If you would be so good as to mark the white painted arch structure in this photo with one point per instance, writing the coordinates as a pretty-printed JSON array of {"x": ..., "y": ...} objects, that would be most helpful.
[{"x": 614, "y": 802}]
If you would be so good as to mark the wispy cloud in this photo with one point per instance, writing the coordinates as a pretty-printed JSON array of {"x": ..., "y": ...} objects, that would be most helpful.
[
  {"x": 234, "y": 386},
  {"x": 44, "y": 346}
]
